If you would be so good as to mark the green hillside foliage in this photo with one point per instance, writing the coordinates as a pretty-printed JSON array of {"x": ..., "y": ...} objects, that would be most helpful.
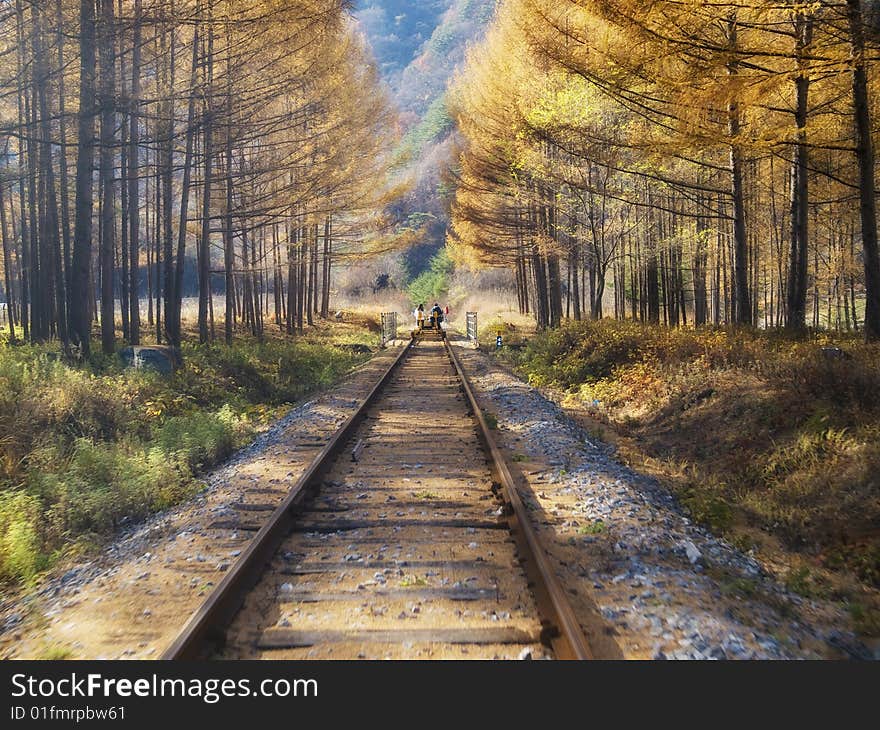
[
  {"x": 435, "y": 125},
  {"x": 431, "y": 285}
]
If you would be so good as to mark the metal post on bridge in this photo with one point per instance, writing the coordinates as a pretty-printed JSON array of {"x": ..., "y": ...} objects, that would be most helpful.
[
  {"x": 472, "y": 332},
  {"x": 389, "y": 327}
]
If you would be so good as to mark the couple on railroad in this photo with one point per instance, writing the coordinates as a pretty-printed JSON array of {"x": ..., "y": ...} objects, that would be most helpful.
[{"x": 436, "y": 319}]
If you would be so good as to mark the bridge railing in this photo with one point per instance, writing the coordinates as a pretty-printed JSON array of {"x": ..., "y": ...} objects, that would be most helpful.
[
  {"x": 472, "y": 332},
  {"x": 389, "y": 327}
]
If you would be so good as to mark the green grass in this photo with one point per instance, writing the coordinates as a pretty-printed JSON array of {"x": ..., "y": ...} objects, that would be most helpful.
[
  {"x": 707, "y": 505},
  {"x": 865, "y": 618},
  {"x": 807, "y": 583},
  {"x": 55, "y": 653},
  {"x": 85, "y": 450},
  {"x": 739, "y": 587},
  {"x": 594, "y": 528}
]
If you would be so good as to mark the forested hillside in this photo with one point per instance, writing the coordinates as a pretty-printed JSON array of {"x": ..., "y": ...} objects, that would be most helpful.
[{"x": 398, "y": 30}]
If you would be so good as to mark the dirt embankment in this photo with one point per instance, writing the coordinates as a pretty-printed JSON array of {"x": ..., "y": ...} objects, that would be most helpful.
[{"x": 647, "y": 580}]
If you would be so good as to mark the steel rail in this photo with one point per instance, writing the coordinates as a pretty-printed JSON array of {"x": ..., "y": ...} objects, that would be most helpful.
[
  {"x": 564, "y": 630},
  {"x": 208, "y": 623}
]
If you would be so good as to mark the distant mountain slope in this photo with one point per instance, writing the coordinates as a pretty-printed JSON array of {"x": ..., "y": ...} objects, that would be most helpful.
[
  {"x": 418, "y": 44},
  {"x": 425, "y": 78},
  {"x": 397, "y": 30}
]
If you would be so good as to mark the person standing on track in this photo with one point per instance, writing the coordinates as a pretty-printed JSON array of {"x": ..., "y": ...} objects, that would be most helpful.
[
  {"x": 436, "y": 316},
  {"x": 420, "y": 316}
]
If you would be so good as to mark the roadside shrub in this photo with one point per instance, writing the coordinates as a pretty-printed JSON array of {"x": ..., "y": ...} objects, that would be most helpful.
[
  {"x": 198, "y": 440},
  {"x": 22, "y": 409},
  {"x": 101, "y": 486},
  {"x": 273, "y": 372},
  {"x": 844, "y": 383},
  {"x": 307, "y": 367},
  {"x": 74, "y": 405},
  {"x": 44, "y": 401}
]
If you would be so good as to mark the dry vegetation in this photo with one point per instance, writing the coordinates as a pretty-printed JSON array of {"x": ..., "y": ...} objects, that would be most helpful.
[
  {"x": 770, "y": 441},
  {"x": 86, "y": 450}
]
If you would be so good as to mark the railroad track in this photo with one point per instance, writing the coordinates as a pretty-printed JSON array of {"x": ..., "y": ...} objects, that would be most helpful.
[{"x": 405, "y": 538}]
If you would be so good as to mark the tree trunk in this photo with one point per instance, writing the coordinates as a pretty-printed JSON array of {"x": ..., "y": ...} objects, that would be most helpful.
[
  {"x": 208, "y": 143},
  {"x": 29, "y": 202},
  {"x": 108, "y": 200},
  {"x": 7, "y": 267},
  {"x": 166, "y": 146},
  {"x": 539, "y": 272},
  {"x": 301, "y": 301},
  {"x": 65, "y": 184},
  {"x": 173, "y": 326},
  {"x": 796, "y": 304},
  {"x": 80, "y": 321},
  {"x": 328, "y": 251},
  {"x": 291, "y": 276},
  {"x": 134, "y": 181},
  {"x": 228, "y": 252},
  {"x": 50, "y": 244},
  {"x": 740, "y": 237},
  {"x": 311, "y": 289},
  {"x": 867, "y": 185},
  {"x": 701, "y": 301},
  {"x": 124, "y": 103}
]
